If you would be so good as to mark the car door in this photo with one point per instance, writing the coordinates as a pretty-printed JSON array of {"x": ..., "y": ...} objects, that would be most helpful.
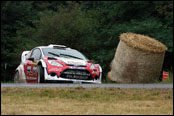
[{"x": 31, "y": 66}]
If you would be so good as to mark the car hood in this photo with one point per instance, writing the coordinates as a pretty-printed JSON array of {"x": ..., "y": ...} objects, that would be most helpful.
[{"x": 72, "y": 61}]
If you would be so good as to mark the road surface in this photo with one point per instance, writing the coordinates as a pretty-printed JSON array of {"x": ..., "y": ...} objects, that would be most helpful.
[{"x": 60, "y": 85}]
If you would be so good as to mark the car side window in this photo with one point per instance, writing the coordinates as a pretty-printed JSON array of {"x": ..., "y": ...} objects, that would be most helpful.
[{"x": 36, "y": 54}]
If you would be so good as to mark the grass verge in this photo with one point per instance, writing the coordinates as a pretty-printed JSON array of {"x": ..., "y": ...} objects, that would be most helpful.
[{"x": 86, "y": 101}]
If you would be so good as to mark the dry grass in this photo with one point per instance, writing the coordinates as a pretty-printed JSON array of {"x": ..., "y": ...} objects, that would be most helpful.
[
  {"x": 143, "y": 42},
  {"x": 76, "y": 101}
]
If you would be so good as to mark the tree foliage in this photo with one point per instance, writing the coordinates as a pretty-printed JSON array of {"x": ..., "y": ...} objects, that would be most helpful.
[{"x": 90, "y": 27}]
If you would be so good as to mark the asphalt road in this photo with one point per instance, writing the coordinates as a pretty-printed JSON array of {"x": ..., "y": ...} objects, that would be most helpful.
[{"x": 60, "y": 85}]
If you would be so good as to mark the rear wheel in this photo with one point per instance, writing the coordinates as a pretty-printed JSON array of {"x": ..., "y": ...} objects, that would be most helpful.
[
  {"x": 41, "y": 78},
  {"x": 16, "y": 78}
]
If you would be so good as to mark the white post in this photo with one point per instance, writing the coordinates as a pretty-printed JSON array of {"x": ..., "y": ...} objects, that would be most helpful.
[{"x": 5, "y": 71}]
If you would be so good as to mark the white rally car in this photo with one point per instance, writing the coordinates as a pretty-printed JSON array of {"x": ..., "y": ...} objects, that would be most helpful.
[{"x": 55, "y": 63}]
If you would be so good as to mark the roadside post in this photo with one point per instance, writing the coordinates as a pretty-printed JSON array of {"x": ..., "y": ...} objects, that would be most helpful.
[
  {"x": 5, "y": 71},
  {"x": 165, "y": 75}
]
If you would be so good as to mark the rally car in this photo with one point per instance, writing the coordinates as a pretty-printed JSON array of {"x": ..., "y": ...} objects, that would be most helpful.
[{"x": 56, "y": 63}]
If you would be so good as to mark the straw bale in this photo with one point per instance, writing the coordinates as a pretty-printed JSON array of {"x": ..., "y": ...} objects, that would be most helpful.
[
  {"x": 138, "y": 59},
  {"x": 143, "y": 42}
]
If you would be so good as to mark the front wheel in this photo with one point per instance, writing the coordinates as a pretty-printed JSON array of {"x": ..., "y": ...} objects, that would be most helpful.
[{"x": 41, "y": 78}]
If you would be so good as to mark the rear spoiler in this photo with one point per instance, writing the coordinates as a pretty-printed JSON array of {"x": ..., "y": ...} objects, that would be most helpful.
[{"x": 57, "y": 46}]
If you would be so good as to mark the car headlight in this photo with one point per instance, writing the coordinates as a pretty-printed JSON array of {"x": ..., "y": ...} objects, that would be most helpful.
[
  {"x": 92, "y": 66},
  {"x": 55, "y": 63}
]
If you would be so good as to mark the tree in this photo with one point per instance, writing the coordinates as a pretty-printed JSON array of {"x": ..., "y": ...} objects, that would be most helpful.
[{"x": 90, "y": 27}]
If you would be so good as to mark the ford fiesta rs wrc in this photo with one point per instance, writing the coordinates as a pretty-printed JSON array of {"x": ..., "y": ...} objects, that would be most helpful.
[{"x": 56, "y": 63}]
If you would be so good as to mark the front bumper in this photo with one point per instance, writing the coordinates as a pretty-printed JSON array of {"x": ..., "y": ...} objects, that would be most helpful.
[{"x": 55, "y": 78}]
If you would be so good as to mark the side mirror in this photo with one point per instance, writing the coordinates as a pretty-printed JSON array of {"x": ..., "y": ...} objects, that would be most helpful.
[{"x": 31, "y": 58}]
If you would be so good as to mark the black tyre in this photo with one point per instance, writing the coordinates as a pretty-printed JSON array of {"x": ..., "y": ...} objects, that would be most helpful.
[
  {"x": 41, "y": 78},
  {"x": 16, "y": 78}
]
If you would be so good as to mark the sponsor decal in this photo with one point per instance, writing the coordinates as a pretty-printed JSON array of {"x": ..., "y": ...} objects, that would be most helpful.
[
  {"x": 75, "y": 62},
  {"x": 29, "y": 69},
  {"x": 34, "y": 70},
  {"x": 72, "y": 67},
  {"x": 95, "y": 72},
  {"x": 31, "y": 78},
  {"x": 76, "y": 77}
]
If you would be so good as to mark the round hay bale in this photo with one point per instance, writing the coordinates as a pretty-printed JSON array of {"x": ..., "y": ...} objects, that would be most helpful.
[{"x": 138, "y": 59}]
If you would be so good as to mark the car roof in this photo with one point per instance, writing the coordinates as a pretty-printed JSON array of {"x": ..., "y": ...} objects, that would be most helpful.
[{"x": 58, "y": 46}]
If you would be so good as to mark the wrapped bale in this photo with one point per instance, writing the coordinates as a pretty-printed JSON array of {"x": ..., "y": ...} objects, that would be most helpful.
[{"x": 138, "y": 59}]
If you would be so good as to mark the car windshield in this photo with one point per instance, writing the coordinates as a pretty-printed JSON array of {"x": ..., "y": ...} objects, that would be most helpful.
[{"x": 53, "y": 52}]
